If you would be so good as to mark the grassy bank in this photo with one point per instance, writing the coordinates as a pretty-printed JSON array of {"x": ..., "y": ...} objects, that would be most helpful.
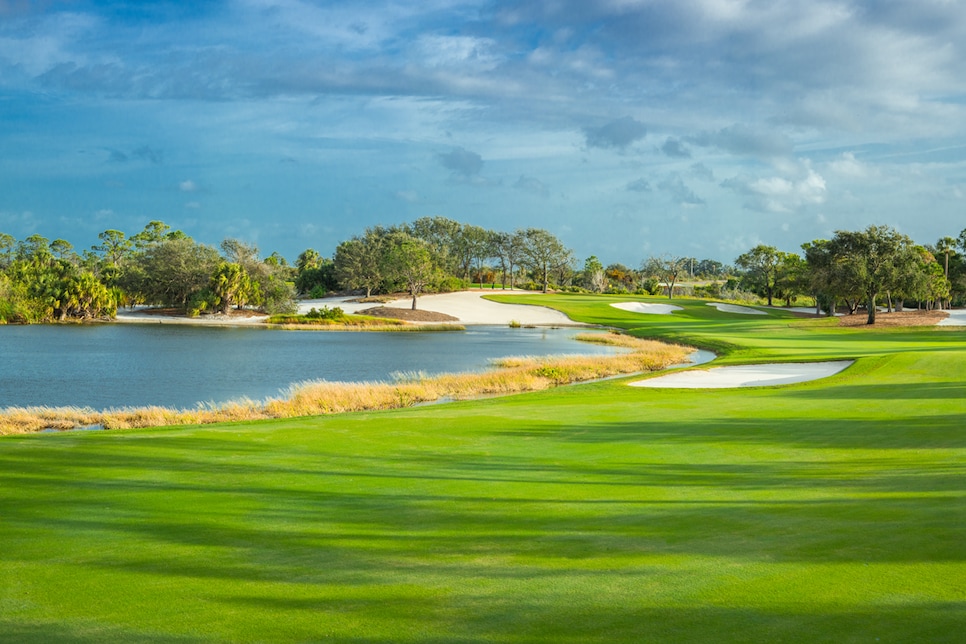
[
  {"x": 331, "y": 319},
  {"x": 512, "y": 375},
  {"x": 832, "y": 511},
  {"x": 377, "y": 325}
]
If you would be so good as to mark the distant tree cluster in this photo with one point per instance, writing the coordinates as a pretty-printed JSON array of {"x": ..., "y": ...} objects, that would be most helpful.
[
  {"x": 875, "y": 267},
  {"x": 44, "y": 281},
  {"x": 436, "y": 253},
  {"x": 658, "y": 274}
]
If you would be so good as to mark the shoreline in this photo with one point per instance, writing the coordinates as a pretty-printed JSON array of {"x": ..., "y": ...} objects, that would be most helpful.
[
  {"x": 467, "y": 307},
  {"x": 316, "y": 398}
]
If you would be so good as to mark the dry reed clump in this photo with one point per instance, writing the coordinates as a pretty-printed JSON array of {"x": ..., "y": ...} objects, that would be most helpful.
[
  {"x": 22, "y": 420},
  {"x": 512, "y": 375}
]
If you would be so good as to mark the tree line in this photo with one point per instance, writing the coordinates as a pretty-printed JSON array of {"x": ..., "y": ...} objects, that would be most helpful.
[
  {"x": 437, "y": 253},
  {"x": 875, "y": 267},
  {"x": 44, "y": 281}
]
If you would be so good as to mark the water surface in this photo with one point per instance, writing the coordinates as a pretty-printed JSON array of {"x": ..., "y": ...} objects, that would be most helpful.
[{"x": 124, "y": 365}]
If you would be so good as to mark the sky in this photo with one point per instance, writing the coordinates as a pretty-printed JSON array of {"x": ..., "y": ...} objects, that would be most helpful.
[{"x": 628, "y": 128}]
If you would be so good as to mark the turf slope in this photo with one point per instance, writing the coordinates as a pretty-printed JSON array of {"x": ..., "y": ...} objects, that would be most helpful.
[{"x": 829, "y": 511}]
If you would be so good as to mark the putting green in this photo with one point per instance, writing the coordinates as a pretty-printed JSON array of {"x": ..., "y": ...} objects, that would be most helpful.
[{"x": 830, "y": 511}]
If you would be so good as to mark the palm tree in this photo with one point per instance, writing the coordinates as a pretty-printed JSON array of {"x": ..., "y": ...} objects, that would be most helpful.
[{"x": 231, "y": 286}]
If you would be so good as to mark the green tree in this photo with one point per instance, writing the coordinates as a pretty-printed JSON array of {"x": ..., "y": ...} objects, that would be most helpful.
[
  {"x": 873, "y": 261},
  {"x": 411, "y": 260},
  {"x": 360, "y": 261},
  {"x": 543, "y": 253},
  {"x": 762, "y": 266},
  {"x": 666, "y": 269},
  {"x": 318, "y": 280},
  {"x": 172, "y": 271},
  {"x": 819, "y": 275},
  {"x": 239, "y": 252},
  {"x": 114, "y": 248},
  {"x": 231, "y": 286},
  {"x": 35, "y": 247},
  {"x": 709, "y": 268},
  {"x": 593, "y": 275},
  {"x": 154, "y": 232},
  {"x": 276, "y": 259},
  {"x": 268, "y": 280},
  {"x": 63, "y": 249},
  {"x": 86, "y": 297},
  {"x": 946, "y": 246},
  {"x": 8, "y": 247},
  {"x": 792, "y": 279},
  {"x": 479, "y": 247},
  {"x": 308, "y": 258},
  {"x": 444, "y": 237},
  {"x": 508, "y": 250}
]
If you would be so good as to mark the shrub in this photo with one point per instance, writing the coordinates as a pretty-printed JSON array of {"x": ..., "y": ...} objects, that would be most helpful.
[
  {"x": 451, "y": 284},
  {"x": 650, "y": 286},
  {"x": 335, "y": 313},
  {"x": 710, "y": 291}
]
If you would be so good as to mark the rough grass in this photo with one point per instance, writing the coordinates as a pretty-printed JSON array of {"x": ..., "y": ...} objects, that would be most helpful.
[{"x": 512, "y": 375}]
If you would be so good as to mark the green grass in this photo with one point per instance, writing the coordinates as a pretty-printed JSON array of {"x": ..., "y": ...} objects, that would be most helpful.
[{"x": 832, "y": 511}]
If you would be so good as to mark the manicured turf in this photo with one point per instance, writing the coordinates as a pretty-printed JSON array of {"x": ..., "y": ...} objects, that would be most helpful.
[{"x": 832, "y": 511}]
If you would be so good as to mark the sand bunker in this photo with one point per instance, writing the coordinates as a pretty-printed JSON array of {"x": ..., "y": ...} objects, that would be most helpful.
[
  {"x": 733, "y": 308},
  {"x": 956, "y": 318},
  {"x": 755, "y": 375},
  {"x": 468, "y": 307},
  {"x": 647, "y": 307}
]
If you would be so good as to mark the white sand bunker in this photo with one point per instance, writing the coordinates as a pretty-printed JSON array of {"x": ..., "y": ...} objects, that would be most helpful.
[
  {"x": 733, "y": 308},
  {"x": 647, "y": 307},
  {"x": 956, "y": 318},
  {"x": 754, "y": 375}
]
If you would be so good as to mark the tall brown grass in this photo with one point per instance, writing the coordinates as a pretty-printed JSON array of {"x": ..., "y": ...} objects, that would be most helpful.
[{"x": 511, "y": 375}]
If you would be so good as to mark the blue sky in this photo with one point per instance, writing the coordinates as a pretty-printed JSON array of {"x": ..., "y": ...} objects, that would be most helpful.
[{"x": 628, "y": 128}]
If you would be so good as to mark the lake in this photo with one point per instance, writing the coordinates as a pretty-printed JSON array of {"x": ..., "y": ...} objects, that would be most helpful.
[{"x": 128, "y": 365}]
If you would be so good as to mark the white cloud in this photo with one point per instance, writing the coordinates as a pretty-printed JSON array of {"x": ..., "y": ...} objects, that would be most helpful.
[
  {"x": 462, "y": 52},
  {"x": 848, "y": 166},
  {"x": 188, "y": 186},
  {"x": 47, "y": 42},
  {"x": 777, "y": 194}
]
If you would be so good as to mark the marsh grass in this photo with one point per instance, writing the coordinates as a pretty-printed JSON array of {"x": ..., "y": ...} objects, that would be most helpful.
[
  {"x": 327, "y": 319},
  {"x": 343, "y": 322},
  {"x": 510, "y": 375},
  {"x": 387, "y": 326}
]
